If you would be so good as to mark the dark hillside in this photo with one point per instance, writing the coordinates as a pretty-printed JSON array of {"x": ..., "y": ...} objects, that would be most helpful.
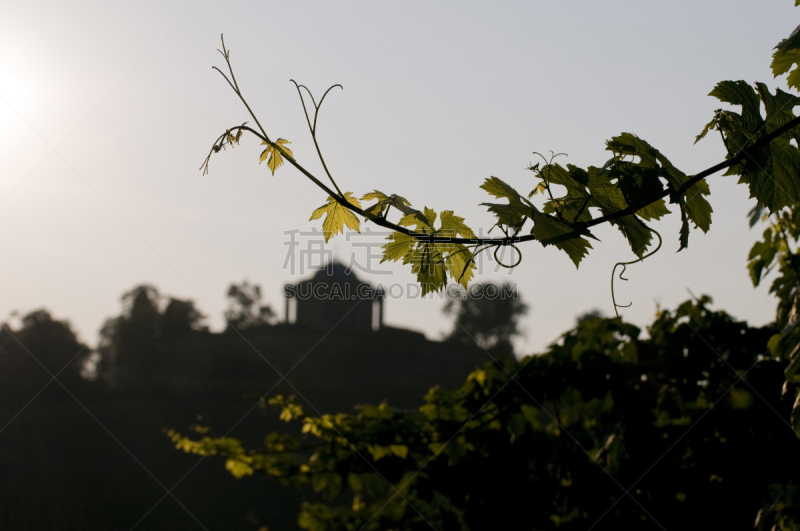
[{"x": 100, "y": 459}]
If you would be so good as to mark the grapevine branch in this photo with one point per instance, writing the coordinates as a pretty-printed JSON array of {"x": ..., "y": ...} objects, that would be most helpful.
[{"x": 579, "y": 227}]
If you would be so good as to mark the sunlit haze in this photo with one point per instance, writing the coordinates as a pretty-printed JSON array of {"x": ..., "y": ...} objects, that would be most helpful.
[{"x": 109, "y": 108}]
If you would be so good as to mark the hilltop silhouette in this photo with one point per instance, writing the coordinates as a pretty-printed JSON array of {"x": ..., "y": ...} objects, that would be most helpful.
[{"x": 87, "y": 450}]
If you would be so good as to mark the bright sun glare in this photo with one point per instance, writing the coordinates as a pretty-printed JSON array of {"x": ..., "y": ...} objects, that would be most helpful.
[{"x": 15, "y": 94}]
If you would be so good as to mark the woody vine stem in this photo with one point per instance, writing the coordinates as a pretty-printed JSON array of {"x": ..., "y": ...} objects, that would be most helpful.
[{"x": 478, "y": 244}]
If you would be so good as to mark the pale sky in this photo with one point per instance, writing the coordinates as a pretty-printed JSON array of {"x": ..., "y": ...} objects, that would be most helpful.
[{"x": 109, "y": 108}]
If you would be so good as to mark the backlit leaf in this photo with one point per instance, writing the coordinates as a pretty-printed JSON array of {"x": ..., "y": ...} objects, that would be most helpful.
[
  {"x": 501, "y": 190},
  {"x": 400, "y": 450},
  {"x": 455, "y": 224},
  {"x": 740, "y": 93},
  {"x": 786, "y": 56},
  {"x": 460, "y": 264},
  {"x": 638, "y": 236},
  {"x": 375, "y": 194},
  {"x": 399, "y": 246},
  {"x": 275, "y": 154},
  {"x": 684, "y": 237},
  {"x": 654, "y": 210},
  {"x": 238, "y": 469},
  {"x": 699, "y": 210},
  {"x": 428, "y": 262},
  {"x": 511, "y": 215},
  {"x": 337, "y": 216},
  {"x": 550, "y": 230},
  {"x": 573, "y": 206},
  {"x": 421, "y": 221},
  {"x": 771, "y": 172},
  {"x": 384, "y": 202}
]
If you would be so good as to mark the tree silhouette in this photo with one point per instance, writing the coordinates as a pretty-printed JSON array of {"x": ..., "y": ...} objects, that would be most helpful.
[
  {"x": 245, "y": 309},
  {"x": 128, "y": 342},
  {"x": 487, "y": 315},
  {"x": 179, "y": 319},
  {"x": 40, "y": 348}
]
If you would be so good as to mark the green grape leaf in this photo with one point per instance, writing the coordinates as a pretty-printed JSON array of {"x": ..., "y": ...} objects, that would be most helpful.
[
  {"x": 460, "y": 264},
  {"x": 421, "y": 221},
  {"x": 605, "y": 194},
  {"x": 238, "y": 469},
  {"x": 793, "y": 41},
  {"x": 771, "y": 171},
  {"x": 540, "y": 188},
  {"x": 783, "y": 62},
  {"x": 428, "y": 262},
  {"x": 275, "y": 154},
  {"x": 375, "y": 194},
  {"x": 609, "y": 198},
  {"x": 775, "y": 174},
  {"x": 401, "y": 204},
  {"x": 550, "y": 230},
  {"x": 430, "y": 215},
  {"x": 779, "y": 106},
  {"x": 638, "y": 236},
  {"x": 574, "y": 204},
  {"x": 574, "y": 181},
  {"x": 699, "y": 209},
  {"x": 399, "y": 246},
  {"x": 684, "y": 237},
  {"x": 379, "y": 208},
  {"x": 455, "y": 225},
  {"x": 501, "y": 190},
  {"x": 787, "y": 55},
  {"x": 400, "y": 450},
  {"x": 556, "y": 174},
  {"x": 737, "y": 128},
  {"x": 742, "y": 94},
  {"x": 654, "y": 210},
  {"x": 762, "y": 254},
  {"x": 776, "y": 184},
  {"x": 511, "y": 215},
  {"x": 638, "y": 185},
  {"x": 384, "y": 202},
  {"x": 515, "y": 212},
  {"x": 709, "y": 127},
  {"x": 337, "y": 216}
]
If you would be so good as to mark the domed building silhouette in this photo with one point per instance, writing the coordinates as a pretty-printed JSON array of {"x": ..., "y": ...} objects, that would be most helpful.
[
  {"x": 335, "y": 300},
  {"x": 360, "y": 358}
]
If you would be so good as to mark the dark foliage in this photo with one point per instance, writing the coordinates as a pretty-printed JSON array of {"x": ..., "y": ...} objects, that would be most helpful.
[{"x": 607, "y": 427}]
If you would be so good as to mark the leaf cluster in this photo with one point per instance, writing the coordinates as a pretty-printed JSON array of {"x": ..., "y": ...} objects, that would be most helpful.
[
  {"x": 634, "y": 178},
  {"x": 771, "y": 171},
  {"x": 776, "y": 253},
  {"x": 435, "y": 255}
]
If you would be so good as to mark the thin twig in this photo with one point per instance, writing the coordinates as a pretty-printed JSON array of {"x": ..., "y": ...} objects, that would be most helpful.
[{"x": 313, "y": 128}]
